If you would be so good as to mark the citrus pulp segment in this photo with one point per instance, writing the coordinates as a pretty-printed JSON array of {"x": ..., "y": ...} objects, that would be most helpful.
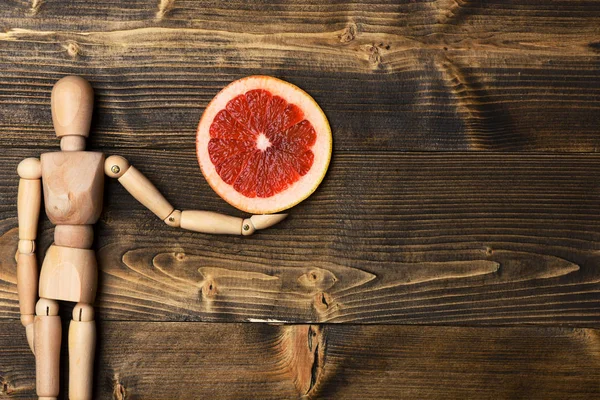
[{"x": 263, "y": 144}]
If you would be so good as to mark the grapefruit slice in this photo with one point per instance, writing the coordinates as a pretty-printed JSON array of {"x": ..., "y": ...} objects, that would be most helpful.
[{"x": 263, "y": 144}]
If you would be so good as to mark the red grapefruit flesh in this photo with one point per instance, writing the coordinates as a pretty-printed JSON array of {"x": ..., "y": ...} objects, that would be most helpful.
[{"x": 263, "y": 144}]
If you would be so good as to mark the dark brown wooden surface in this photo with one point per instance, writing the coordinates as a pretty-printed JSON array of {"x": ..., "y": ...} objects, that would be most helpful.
[
  {"x": 463, "y": 191},
  {"x": 461, "y": 239},
  {"x": 395, "y": 75},
  {"x": 335, "y": 361}
]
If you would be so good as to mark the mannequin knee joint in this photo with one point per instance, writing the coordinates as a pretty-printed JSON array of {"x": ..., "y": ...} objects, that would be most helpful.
[
  {"x": 83, "y": 312},
  {"x": 46, "y": 307}
]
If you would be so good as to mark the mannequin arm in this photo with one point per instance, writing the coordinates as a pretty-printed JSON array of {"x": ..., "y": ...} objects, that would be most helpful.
[
  {"x": 199, "y": 221},
  {"x": 28, "y": 209}
]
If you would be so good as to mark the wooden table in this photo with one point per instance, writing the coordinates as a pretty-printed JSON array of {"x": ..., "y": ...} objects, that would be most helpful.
[{"x": 453, "y": 250}]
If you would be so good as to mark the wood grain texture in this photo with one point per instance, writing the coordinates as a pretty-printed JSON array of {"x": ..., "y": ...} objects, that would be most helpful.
[
  {"x": 233, "y": 361},
  {"x": 410, "y": 75},
  {"x": 424, "y": 217},
  {"x": 419, "y": 238}
]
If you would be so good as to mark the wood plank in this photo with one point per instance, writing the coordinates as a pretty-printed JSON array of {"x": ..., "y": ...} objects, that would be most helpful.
[
  {"x": 415, "y": 238},
  {"x": 458, "y": 238},
  {"x": 443, "y": 75},
  {"x": 232, "y": 361}
]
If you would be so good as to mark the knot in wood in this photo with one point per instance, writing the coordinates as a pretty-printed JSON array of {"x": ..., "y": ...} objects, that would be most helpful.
[
  {"x": 119, "y": 390},
  {"x": 209, "y": 289},
  {"x": 303, "y": 355},
  {"x": 374, "y": 55},
  {"x": 35, "y": 6},
  {"x": 73, "y": 49},
  {"x": 314, "y": 276},
  {"x": 317, "y": 279},
  {"x": 5, "y": 389},
  {"x": 322, "y": 302},
  {"x": 349, "y": 34},
  {"x": 163, "y": 8}
]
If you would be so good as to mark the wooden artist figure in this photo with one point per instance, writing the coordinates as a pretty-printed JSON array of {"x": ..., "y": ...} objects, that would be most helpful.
[{"x": 72, "y": 182}]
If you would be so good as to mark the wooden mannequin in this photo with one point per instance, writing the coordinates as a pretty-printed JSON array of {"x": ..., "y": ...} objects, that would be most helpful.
[{"x": 73, "y": 183}]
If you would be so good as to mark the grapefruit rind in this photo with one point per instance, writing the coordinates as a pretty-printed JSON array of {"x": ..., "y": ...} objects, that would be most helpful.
[{"x": 296, "y": 192}]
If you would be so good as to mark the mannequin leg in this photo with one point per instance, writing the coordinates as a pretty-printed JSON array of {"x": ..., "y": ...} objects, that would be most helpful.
[
  {"x": 82, "y": 344},
  {"x": 47, "y": 337}
]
